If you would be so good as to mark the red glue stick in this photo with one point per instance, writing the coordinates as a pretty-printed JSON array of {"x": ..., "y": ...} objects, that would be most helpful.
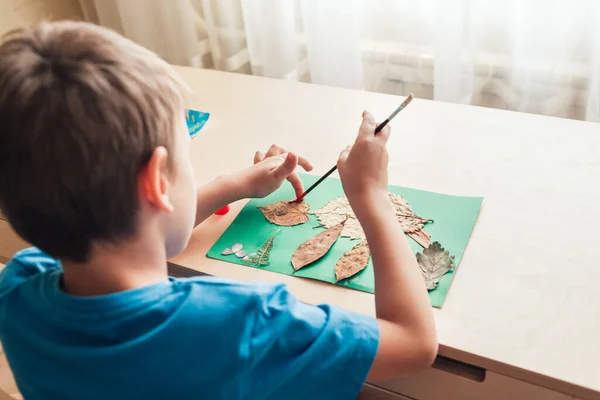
[{"x": 223, "y": 210}]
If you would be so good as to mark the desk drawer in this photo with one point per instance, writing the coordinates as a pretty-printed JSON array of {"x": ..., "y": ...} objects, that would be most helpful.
[
  {"x": 436, "y": 384},
  {"x": 10, "y": 242},
  {"x": 370, "y": 392}
]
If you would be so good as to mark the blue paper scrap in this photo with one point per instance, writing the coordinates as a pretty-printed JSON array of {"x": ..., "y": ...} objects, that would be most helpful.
[{"x": 195, "y": 121}]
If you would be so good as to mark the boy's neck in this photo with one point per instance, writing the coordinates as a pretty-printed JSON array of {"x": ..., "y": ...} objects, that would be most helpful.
[{"x": 112, "y": 269}]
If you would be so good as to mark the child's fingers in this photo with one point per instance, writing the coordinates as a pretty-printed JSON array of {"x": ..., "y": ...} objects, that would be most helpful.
[
  {"x": 296, "y": 182},
  {"x": 275, "y": 150},
  {"x": 344, "y": 154},
  {"x": 368, "y": 117},
  {"x": 384, "y": 134},
  {"x": 367, "y": 128},
  {"x": 285, "y": 169},
  {"x": 258, "y": 157},
  {"x": 304, "y": 163}
]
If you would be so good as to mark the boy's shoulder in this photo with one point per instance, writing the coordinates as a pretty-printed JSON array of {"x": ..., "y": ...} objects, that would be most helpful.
[{"x": 24, "y": 265}]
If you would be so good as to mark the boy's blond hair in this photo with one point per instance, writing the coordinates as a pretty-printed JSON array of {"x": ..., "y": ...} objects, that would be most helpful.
[{"x": 81, "y": 110}]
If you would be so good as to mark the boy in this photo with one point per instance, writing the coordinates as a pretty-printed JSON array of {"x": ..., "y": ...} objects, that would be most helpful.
[{"x": 95, "y": 172}]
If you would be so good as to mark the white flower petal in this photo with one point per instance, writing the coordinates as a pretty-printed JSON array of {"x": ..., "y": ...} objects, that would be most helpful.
[
  {"x": 240, "y": 254},
  {"x": 236, "y": 247}
]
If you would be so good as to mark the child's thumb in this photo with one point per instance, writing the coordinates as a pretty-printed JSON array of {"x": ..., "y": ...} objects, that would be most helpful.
[{"x": 286, "y": 167}]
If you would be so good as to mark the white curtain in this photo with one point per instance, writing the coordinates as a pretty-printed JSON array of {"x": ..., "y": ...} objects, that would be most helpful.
[{"x": 537, "y": 56}]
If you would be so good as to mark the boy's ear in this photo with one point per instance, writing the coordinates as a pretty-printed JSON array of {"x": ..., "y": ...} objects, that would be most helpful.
[{"x": 153, "y": 180}]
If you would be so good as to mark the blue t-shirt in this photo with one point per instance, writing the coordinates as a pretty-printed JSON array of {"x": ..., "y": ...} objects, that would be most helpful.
[{"x": 200, "y": 338}]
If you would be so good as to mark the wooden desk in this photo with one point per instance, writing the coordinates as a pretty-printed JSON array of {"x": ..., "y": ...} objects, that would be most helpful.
[{"x": 524, "y": 304}]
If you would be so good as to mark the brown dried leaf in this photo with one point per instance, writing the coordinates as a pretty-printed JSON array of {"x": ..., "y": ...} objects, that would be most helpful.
[
  {"x": 336, "y": 211},
  {"x": 434, "y": 263},
  {"x": 421, "y": 237},
  {"x": 316, "y": 247},
  {"x": 339, "y": 209},
  {"x": 353, "y": 261},
  {"x": 286, "y": 213}
]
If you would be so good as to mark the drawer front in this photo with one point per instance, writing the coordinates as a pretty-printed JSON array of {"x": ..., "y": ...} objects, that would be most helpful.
[
  {"x": 370, "y": 392},
  {"x": 435, "y": 384}
]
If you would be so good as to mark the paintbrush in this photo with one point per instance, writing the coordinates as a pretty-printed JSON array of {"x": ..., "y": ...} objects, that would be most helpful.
[{"x": 377, "y": 130}]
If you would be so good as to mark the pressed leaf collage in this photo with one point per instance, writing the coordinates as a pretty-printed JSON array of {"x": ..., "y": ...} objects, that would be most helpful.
[
  {"x": 339, "y": 220},
  {"x": 322, "y": 239}
]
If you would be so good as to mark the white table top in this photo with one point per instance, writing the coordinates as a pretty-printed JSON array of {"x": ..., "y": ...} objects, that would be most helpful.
[{"x": 525, "y": 300}]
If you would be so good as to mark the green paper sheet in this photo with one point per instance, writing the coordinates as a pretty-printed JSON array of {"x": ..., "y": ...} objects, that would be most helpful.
[{"x": 454, "y": 218}]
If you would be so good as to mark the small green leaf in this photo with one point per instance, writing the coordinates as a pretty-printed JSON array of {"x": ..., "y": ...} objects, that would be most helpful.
[{"x": 260, "y": 257}]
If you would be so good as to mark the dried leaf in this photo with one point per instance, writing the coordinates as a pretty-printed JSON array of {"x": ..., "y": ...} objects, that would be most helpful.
[
  {"x": 236, "y": 247},
  {"x": 336, "y": 211},
  {"x": 353, "y": 261},
  {"x": 240, "y": 254},
  {"x": 226, "y": 252},
  {"x": 261, "y": 256},
  {"x": 316, "y": 247},
  {"x": 286, "y": 213},
  {"x": 421, "y": 237},
  {"x": 339, "y": 209},
  {"x": 434, "y": 263}
]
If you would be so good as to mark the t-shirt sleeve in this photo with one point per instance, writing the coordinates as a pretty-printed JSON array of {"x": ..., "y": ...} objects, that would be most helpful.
[
  {"x": 25, "y": 264},
  {"x": 312, "y": 352}
]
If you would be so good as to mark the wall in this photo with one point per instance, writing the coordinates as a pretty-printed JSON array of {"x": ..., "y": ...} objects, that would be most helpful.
[{"x": 14, "y": 13}]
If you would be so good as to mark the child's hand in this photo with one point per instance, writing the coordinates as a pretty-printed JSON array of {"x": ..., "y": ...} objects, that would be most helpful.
[
  {"x": 269, "y": 171},
  {"x": 363, "y": 166}
]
